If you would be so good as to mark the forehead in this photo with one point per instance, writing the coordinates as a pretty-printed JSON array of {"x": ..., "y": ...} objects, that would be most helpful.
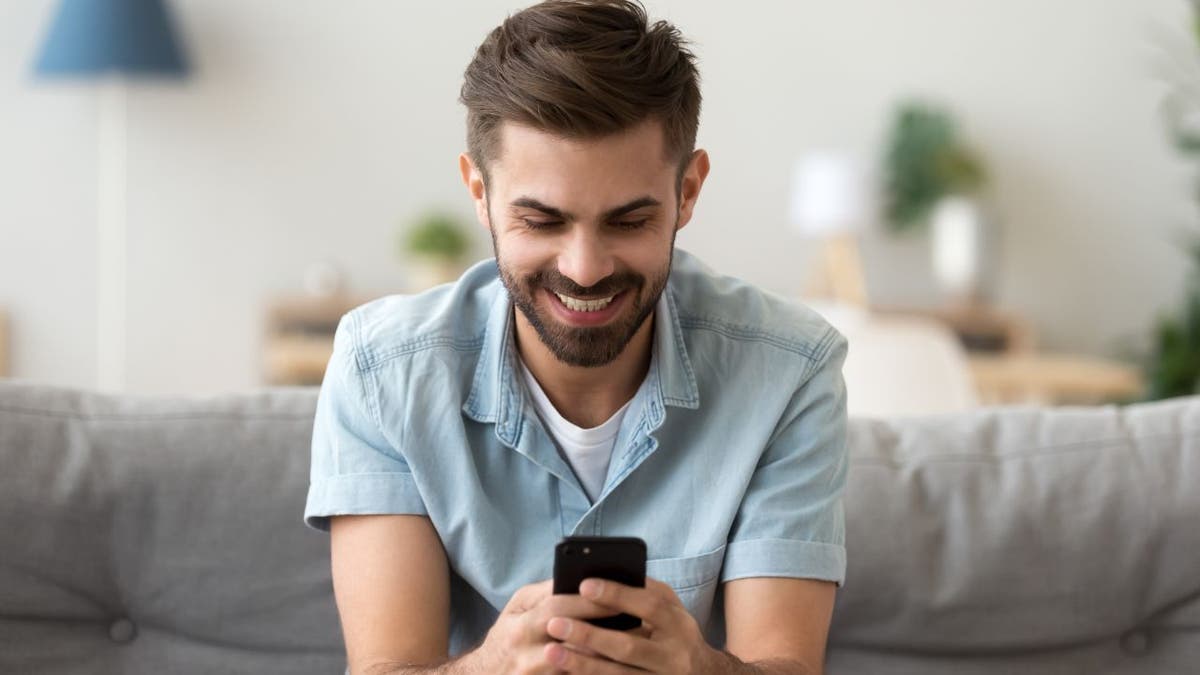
[{"x": 584, "y": 174}]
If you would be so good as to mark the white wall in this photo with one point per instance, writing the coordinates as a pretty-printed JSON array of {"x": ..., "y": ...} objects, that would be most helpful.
[{"x": 311, "y": 133}]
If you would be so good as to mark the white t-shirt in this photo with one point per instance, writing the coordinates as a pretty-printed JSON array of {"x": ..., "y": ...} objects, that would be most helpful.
[{"x": 587, "y": 450}]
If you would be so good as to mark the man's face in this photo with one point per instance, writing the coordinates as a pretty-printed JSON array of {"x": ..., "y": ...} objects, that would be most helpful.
[{"x": 583, "y": 232}]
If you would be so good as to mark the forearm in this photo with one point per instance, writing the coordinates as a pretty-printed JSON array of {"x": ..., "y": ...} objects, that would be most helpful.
[
  {"x": 464, "y": 664},
  {"x": 728, "y": 664}
]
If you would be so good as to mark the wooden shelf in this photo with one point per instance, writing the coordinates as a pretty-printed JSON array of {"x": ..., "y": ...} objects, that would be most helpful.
[
  {"x": 1007, "y": 368},
  {"x": 980, "y": 329},
  {"x": 299, "y": 336},
  {"x": 1053, "y": 379}
]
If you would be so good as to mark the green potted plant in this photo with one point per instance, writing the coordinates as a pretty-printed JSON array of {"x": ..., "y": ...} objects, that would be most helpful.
[
  {"x": 925, "y": 162},
  {"x": 932, "y": 178},
  {"x": 1171, "y": 365},
  {"x": 435, "y": 247}
]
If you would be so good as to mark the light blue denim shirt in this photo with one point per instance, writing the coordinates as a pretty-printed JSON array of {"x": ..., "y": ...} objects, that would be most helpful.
[{"x": 731, "y": 464}]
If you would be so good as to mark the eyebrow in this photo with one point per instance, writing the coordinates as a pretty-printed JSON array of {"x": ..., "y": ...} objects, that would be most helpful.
[{"x": 531, "y": 203}]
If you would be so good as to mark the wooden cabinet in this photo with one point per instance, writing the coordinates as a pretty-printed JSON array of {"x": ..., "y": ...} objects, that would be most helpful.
[{"x": 299, "y": 336}]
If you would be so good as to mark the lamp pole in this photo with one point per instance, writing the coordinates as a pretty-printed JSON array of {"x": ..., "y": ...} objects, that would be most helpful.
[
  {"x": 108, "y": 40},
  {"x": 112, "y": 285}
]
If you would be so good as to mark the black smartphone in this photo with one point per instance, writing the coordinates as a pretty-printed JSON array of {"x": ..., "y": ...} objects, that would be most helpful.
[{"x": 622, "y": 559}]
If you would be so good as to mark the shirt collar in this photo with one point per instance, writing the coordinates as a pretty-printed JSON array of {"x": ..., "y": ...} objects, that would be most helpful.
[
  {"x": 495, "y": 391},
  {"x": 677, "y": 380}
]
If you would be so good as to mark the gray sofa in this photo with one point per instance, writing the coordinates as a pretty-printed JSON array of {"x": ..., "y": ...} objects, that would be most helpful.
[{"x": 160, "y": 536}]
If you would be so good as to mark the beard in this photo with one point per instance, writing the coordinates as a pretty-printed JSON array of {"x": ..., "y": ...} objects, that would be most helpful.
[{"x": 590, "y": 346}]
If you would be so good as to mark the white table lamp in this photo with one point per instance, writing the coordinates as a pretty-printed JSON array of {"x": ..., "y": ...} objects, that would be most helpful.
[{"x": 831, "y": 200}]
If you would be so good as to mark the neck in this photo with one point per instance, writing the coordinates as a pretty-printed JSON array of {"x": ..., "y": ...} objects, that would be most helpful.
[{"x": 586, "y": 397}]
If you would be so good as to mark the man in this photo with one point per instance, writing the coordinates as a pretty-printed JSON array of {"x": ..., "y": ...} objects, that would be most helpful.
[{"x": 587, "y": 381}]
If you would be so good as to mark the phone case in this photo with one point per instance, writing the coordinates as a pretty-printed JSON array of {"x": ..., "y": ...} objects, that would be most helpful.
[{"x": 622, "y": 559}]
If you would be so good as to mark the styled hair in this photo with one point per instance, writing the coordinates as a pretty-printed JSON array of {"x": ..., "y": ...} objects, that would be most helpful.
[{"x": 582, "y": 69}]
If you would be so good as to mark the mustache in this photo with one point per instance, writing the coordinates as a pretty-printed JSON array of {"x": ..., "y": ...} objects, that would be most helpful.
[{"x": 556, "y": 282}]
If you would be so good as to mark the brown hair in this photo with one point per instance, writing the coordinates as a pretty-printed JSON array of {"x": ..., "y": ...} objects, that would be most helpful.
[{"x": 582, "y": 69}]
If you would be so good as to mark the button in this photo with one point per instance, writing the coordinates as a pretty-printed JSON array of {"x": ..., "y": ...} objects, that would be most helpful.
[
  {"x": 1135, "y": 642},
  {"x": 122, "y": 630}
]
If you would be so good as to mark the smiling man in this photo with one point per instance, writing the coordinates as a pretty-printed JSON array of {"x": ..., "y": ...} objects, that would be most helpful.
[{"x": 591, "y": 380}]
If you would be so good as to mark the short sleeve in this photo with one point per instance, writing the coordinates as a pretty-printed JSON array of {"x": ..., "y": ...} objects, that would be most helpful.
[
  {"x": 354, "y": 469},
  {"x": 791, "y": 521}
]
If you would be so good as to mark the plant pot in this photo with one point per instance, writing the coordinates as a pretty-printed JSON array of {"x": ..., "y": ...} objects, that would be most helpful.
[{"x": 960, "y": 249}]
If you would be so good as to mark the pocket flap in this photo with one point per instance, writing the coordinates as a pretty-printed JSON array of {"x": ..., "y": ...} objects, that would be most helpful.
[{"x": 688, "y": 571}]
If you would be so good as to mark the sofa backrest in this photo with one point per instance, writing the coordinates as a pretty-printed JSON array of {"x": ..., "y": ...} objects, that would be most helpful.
[
  {"x": 1023, "y": 539},
  {"x": 164, "y": 535}
]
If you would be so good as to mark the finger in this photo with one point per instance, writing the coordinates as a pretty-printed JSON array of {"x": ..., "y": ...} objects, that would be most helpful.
[
  {"x": 529, "y": 596},
  {"x": 649, "y": 604},
  {"x": 661, "y": 587},
  {"x": 586, "y": 651},
  {"x": 574, "y": 662},
  {"x": 643, "y": 631},
  {"x": 569, "y": 606},
  {"x": 619, "y": 646},
  {"x": 574, "y": 606}
]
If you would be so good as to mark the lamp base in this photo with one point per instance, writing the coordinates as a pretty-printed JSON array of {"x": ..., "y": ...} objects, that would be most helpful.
[{"x": 839, "y": 273}]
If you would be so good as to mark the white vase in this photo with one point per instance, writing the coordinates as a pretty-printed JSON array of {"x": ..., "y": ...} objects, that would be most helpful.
[
  {"x": 427, "y": 272},
  {"x": 959, "y": 248}
]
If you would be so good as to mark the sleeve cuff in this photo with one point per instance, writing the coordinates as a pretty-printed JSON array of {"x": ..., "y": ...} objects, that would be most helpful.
[
  {"x": 785, "y": 558},
  {"x": 361, "y": 494}
]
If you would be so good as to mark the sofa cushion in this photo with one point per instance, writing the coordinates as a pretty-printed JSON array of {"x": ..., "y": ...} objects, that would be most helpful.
[
  {"x": 144, "y": 535},
  {"x": 1023, "y": 539}
]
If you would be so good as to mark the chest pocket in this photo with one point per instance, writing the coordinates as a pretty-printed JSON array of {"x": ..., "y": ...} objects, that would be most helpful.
[{"x": 694, "y": 579}]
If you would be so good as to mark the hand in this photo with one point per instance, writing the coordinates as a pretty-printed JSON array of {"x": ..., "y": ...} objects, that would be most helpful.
[
  {"x": 670, "y": 640},
  {"x": 516, "y": 642}
]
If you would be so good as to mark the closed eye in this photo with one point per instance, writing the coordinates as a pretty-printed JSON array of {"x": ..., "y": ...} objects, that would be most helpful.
[
  {"x": 630, "y": 224},
  {"x": 540, "y": 224}
]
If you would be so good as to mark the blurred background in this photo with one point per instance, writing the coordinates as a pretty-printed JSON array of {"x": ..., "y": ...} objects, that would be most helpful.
[{"x": 995, "y": 201}]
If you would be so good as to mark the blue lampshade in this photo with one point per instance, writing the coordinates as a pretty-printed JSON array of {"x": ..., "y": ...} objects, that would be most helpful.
[{"x": 90, "y": 38}]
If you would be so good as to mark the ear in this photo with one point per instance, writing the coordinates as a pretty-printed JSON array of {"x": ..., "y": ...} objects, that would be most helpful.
[
  {"x": 689, "y": 187},
  {"x": 472, "y": 177}
]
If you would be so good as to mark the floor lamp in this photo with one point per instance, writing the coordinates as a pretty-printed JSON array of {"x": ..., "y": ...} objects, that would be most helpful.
[
  {"x": 109, "y": 41},
  {"x": 831, "y": 203}
]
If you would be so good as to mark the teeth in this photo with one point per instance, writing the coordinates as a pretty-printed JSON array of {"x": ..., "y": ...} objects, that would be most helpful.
[{"x": 584, "y": 305}]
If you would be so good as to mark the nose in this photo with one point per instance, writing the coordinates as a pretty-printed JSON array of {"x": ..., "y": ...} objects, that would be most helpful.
[{"x": 586, "y": 259}]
